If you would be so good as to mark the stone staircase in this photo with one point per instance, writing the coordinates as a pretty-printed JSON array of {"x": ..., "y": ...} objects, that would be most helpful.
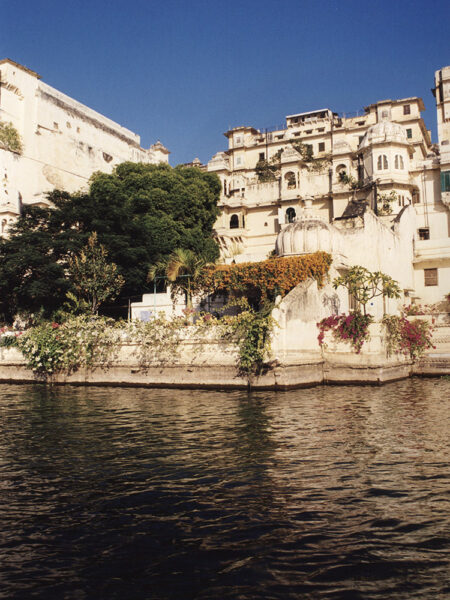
[{"x": 437, "y": 360}]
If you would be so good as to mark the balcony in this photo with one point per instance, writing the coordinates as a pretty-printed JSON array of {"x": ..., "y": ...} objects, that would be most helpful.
[{"x": 432, "y": 250}]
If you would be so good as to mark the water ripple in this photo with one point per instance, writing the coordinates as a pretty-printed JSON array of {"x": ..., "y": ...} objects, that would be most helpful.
[{"x": 328, "y": 493}]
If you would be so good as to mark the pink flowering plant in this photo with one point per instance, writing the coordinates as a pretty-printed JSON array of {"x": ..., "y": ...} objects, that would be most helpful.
[
  {"x": 363, "y": 286},
  {"x": 411, "y": 338},
  {"x": 352, "y": 328}
]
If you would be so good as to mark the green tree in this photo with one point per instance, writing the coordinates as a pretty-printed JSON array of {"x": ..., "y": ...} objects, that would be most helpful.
[
  {"x": 141, "y": 214},
  {"x": 94, "y": 278},
  {"x": 33, "y": 264},
  {"x": 182, "y": 268},
  {"x": 364, "y": 285}
]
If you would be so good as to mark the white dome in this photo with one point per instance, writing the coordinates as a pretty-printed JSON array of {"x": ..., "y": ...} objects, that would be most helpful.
[
  {"x": 385, "y": 131},
  {"x": 306, "y": 235}
]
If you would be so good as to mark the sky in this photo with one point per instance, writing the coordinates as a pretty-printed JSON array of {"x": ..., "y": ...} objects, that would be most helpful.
[{"x": 184, "y": 72}]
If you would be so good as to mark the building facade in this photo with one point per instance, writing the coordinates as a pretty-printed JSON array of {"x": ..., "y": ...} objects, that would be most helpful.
[
  {"x": 381, "y": 161},
  {"x": 62, "y": 142}
]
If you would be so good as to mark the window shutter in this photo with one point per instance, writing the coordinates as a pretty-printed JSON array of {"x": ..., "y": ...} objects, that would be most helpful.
[{"x": 431, "y": 277}]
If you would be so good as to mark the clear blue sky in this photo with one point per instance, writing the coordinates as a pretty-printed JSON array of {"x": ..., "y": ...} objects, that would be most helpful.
[{"x": 185, "y": 71}]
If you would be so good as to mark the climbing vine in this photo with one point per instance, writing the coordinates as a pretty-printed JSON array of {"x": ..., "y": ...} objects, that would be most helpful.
[
  {"x": 313, "y": 163},
  {"x": 385, "y": 201},
  {"x": 265, "y": 280}
]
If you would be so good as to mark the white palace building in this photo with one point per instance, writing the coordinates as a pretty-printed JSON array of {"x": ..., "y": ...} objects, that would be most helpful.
[
  {"x": 371, "y": 188},
  {"x": 63, "y": 142}
]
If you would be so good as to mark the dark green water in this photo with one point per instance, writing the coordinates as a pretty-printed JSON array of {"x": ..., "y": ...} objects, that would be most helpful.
[{"x": 331, "y": 492}]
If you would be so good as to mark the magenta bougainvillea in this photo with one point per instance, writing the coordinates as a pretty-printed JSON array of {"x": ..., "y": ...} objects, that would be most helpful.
[
  {"x": 352, "y": 328},
  {"x": 411, "y": 338}
]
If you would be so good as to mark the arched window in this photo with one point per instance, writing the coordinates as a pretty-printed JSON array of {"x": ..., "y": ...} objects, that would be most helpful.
[
  {"x": 290, "y": 215},
  {"x": 4, "y": 225},
  {"x": 290, "y": 180},
  {"x": 398, "y": 162},
  {"x": 234, "y": 222},
  {"x": 382, "y": 162}
]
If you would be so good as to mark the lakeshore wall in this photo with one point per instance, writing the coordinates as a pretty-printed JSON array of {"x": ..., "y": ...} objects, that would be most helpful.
[
  {"x": 296, "y": 358},
  {"x": 212, "y": 364}
]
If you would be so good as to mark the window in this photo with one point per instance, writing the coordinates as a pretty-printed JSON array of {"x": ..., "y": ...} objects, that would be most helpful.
[
  {"x": 321, "y": 146},
  {"x": 261, "y": 156},
  {"x": 234, "y": 222},
  {"x": 431, "y": 277},
  {"x": 238, "y": 140},
  {"x": 55, "y": 125},
  {"x": 445, "y": 181},
  {"x": 409, "y": 133},
  {"x": 238, "y": 160},
  {"x": 352, "y": 302},
  {"x": 341, "y": 169},
  {"x": 309, "y": 131},
  {"x": 290, "y": 180},
  {"x": 424, "y": 233},
  {"x": 398, "y": 162},
  {"x": 406, "y": 109},
  {"x": 290, "y": 215},
  {"x": 382, "y": 162}
]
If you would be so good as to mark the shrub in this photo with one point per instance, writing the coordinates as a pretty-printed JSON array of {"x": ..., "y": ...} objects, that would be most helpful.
[
  {"x": 352, "y": 328},
  {"x": 411, "y": 338},
  {"x": 79, "y": 342}
]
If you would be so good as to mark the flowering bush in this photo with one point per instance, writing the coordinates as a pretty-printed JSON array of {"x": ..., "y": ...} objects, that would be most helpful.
[
  {"x": 264, "y": 280},
  {"x": 252, "y": 331},
  {"x": 42, "y": 348},
  {"x": 8, "y": 337},
  {"x": 90, "y": 341},
  {"x": 411, "y": 338},
  {"x": 412, "y": 310},
  {"x": 80, "y": 341},
  {"x": 353, "y": 328}
]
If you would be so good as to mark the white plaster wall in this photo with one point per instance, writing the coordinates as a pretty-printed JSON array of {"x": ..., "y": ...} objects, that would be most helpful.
[{"x": 64, "y": 141}]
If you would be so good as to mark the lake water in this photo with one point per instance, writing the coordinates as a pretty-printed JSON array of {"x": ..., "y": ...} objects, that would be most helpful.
[{"x": 122, "y": 493}]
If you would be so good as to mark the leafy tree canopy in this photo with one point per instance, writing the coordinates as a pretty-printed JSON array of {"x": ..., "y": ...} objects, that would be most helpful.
[
  {"x": 364, "y": 285},
  {"x": 141, "y": 214}
]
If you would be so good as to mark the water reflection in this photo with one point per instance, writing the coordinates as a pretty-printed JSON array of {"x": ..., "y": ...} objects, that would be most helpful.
[{"x": 135, "y": 493}]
